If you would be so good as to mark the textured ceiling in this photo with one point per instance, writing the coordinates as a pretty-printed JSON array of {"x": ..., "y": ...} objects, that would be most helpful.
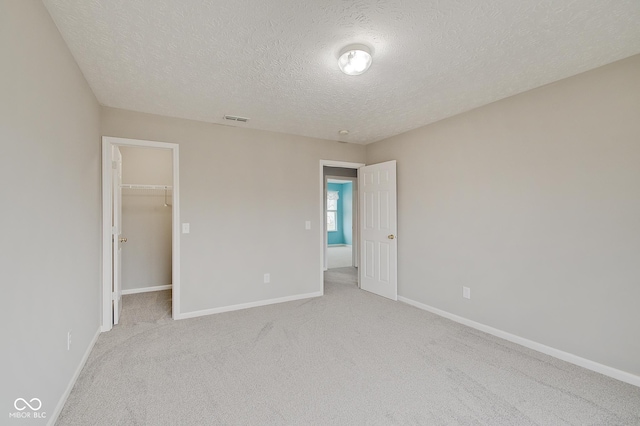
[{"x": 276, "y": 61}]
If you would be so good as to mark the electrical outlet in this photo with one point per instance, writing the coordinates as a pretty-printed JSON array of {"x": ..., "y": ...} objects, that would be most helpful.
[
  {"x": 69, "y": 340},
  {"x": 267, "y": 278},
  {"x": 466, "y": 292}
]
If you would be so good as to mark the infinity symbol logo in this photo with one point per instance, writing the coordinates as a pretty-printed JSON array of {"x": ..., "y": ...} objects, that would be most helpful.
[{"x": 26, "y": 404}]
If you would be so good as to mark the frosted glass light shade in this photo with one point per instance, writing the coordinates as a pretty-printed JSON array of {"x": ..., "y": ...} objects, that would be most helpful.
[{"x": 354, "y": 59}]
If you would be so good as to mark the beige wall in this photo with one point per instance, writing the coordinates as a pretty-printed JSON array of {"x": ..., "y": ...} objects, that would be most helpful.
[
  {"x": 50, "y": 174},
  {"x": 247, "y": 195},
  {"x": 146, "y": 166},
  {"x": 534, "y": 203},
  {"x": 146, "y": 221}
]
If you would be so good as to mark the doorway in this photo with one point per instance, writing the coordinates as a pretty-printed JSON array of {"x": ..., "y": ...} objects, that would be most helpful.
[
  {"x": 141, "y": 236},
  {"x": 376, "y": 225},
  {"x": 345, "y": 245},
  {"x": 146, "y": 199}
]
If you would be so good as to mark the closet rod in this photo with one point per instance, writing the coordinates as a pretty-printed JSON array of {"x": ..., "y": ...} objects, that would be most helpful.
[{"x": 135, "y": 186}]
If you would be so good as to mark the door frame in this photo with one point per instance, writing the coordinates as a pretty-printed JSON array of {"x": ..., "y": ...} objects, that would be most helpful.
[
  {"x": 116, "y": 223},
  {"x": 354, "y": 221},
  {"x": 323, "y": 222},
  {"x": 107, "y": 265}
]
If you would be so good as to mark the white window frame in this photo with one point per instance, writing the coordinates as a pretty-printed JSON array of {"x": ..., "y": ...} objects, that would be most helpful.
[{"x": 335, "y": 212}]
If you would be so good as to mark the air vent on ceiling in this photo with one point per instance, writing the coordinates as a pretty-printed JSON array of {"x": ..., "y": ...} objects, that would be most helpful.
[{"x": 236, "y": 118}]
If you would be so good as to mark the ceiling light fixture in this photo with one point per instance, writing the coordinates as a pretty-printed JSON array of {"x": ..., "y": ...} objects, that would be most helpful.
[{"x": 354, "y": 59}]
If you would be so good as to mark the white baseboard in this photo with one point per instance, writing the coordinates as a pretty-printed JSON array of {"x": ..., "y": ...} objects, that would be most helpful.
[
  {"x": 146, "y": 289},
  {"x": 63, "y": 399},
  {"x": 556, "y": 353},
  {"x": 204, "y": 312}
]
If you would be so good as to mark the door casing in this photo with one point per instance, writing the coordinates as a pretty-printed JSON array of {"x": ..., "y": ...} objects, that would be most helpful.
[{"x": 116, "y": 223}]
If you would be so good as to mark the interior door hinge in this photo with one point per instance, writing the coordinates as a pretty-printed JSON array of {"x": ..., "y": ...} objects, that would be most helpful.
[
  {"x": 113, "y": 295},
  {"x": 114, "y": 164}
]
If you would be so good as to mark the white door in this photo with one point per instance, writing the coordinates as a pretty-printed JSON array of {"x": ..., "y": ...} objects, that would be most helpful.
[
  {"x": 117, "y": 238},
  {"x": 378, "y": 224}
]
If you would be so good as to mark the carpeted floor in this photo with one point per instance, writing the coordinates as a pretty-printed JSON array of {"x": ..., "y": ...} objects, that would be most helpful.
[
  {"x": 145, "y": 307},
  {"x": 346, "y": 358}
]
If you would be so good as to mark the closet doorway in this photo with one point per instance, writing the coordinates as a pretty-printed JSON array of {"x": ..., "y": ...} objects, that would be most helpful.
[{"x": 140, "y": 231}]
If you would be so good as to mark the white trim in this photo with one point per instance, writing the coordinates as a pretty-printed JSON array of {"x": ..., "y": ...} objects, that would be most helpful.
[
  {"x": 323, "y": 223},
  {"x": 548, "y": 350},
  {"x": 63, "y": 399},
  {"x": 146, "y": 289},
  {"x": 107, "y": 143},
  {"x": 105, "y": 303},
  {"x": 342, "y": 164},
  {"x": 176, "y": 231},
  {"x": 143, "y": 186},
  {"x": 240, "y": 306}
]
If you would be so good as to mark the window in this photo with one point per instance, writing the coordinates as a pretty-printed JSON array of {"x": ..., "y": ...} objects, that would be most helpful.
[{"x": 332, "y": 211}]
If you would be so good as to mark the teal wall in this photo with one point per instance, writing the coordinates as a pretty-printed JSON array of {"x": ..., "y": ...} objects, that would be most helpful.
[{"x": 343, "y": 235}]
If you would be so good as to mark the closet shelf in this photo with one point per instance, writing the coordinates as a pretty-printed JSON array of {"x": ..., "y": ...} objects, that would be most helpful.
[{"x": 151, "y": 187}]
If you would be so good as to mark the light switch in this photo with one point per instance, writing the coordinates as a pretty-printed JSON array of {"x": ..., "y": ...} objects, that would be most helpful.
[
  {"x": 466, "y": 292},
  {"x": 185, "y": 228},
  {"x": 307, "y": 225}
]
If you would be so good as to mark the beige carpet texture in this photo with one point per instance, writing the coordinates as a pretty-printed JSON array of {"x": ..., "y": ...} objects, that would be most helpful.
[{"x": 347, "y": 358}]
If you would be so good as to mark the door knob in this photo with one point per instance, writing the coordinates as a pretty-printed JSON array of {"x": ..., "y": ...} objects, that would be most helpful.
[
  {"x": 391, "y": 237},
  {"x": 123, "y": 240}
]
